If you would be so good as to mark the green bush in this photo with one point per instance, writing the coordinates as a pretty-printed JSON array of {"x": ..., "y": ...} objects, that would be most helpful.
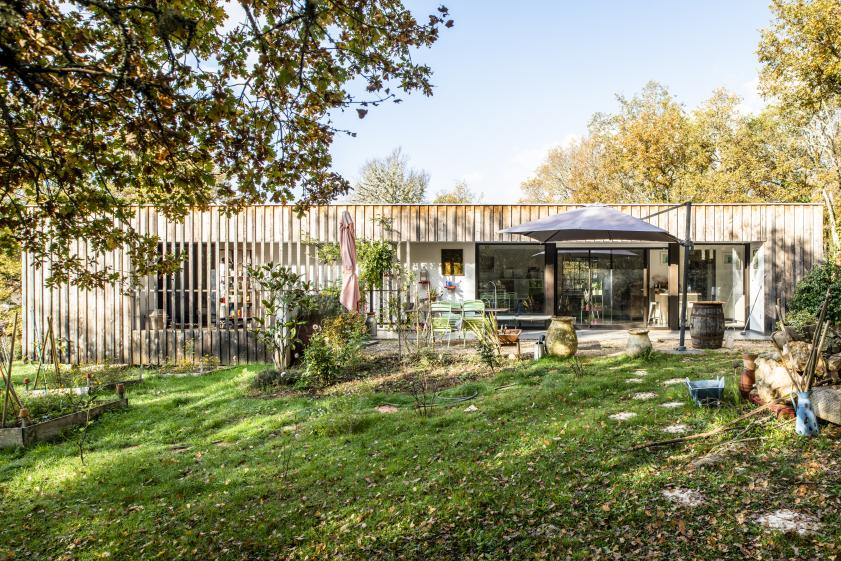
[
  {"x": 800, "y": 320},
  {"x": 321, "y": 362},
  {"x": 810, "y": 292},
  {"x": 334, "y": 346}
]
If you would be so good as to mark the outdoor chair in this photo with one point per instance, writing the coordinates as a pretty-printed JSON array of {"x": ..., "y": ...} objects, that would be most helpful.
[
  {"x": 442, "y": 319},
  {"x": 472, "y": 317}
]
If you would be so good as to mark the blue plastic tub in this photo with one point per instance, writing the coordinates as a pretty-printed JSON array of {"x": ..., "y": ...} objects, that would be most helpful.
[{"x": 706, "y": 392}]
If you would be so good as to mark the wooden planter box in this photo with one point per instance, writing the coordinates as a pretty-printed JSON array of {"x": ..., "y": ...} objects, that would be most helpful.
[{"x": 48, "y": 430}]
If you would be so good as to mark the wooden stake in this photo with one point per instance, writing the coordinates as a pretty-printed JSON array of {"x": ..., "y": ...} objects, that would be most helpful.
[
  {"x": 7, "y": 377},
  {"x": 54, "y": 353}
]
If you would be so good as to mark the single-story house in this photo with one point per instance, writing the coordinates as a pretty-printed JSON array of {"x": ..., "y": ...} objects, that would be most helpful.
[{"x": 749, "y": 256}]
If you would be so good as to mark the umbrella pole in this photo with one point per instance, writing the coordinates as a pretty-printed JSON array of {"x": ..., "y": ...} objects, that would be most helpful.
[{"x": 687, "y": 245}]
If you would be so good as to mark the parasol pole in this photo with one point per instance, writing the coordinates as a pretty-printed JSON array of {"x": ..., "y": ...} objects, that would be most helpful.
[{"x": 687, "y": 245}]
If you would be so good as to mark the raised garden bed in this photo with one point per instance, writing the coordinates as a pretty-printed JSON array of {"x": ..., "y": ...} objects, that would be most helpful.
[{"x": 48, "y": 430}]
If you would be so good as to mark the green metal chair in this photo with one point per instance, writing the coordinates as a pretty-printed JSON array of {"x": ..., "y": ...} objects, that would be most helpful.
[
  {"x": 472, "y": 317},
  {"x": 442, "y": 319}
]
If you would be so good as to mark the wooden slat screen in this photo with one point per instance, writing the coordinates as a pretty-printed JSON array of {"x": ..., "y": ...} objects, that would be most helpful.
[{"x": 113, "y": 324}]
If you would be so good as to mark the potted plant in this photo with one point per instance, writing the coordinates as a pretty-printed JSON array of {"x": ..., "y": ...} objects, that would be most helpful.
[{"x": 434, "y": 294}]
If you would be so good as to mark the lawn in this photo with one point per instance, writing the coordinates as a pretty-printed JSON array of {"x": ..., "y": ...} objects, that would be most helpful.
[{"x": 202, "y": 468}]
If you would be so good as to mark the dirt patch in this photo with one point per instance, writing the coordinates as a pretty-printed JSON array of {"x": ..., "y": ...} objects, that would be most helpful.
[
  {"x": 684, "y": 497},
  {"x": 678, "y": 428},
  {"x": 386, "y": 409},
  {"x": 789, "y": 521}
]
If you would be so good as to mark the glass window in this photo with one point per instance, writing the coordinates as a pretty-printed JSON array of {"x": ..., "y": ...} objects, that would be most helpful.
[
  {"x": 717, "y": 272},
  {"x": 452, "y": 262},
  {"x": 511, "y": 277},
  {"x": 602, "y": 286},
  {"x": 658, "y": 286}
]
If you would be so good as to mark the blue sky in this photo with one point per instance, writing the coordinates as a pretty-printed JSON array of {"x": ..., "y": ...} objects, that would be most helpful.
[{"x": 514, "y": 79}]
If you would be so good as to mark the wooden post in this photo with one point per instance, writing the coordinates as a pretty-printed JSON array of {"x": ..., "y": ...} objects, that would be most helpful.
[
  {"x": 54, "y": 352},
  {"x": 7, "y": 377}
]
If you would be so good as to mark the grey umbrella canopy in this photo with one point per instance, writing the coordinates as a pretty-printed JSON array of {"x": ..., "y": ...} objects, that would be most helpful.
[{"x": 592, "y": 222}]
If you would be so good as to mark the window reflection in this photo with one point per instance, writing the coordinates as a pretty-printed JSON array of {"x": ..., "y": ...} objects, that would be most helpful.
[{"x": 511, "y": 277}]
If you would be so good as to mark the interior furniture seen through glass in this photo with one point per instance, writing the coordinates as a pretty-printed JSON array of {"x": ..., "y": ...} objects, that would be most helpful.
[
  {"x": 717, "y": 272},
  {"x": 511, "y": 277},
  {"x": 602, "y": 286}
]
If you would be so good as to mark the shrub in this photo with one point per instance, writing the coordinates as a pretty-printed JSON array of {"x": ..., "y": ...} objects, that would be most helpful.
[
  {"x": 811, "y": 291},
  {"x": 800, "y": 320},
  {"x": 320, "y": 362},
  {"x": 335, "y": 345}
]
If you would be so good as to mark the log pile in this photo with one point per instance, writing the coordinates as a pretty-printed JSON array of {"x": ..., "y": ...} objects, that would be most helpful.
[{"x": 801, "y": 366}]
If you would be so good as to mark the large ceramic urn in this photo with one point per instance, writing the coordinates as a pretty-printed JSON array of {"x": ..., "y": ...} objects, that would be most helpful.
[
  {"x": 638, "y": 342},
  {"x": 561, "y": 339}
]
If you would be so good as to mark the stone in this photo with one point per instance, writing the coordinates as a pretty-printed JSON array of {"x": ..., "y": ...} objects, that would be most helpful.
[
  {"x": 386, "y": 409},
  {"x": 622, "y": 416},
  {"x": 644, "y": 396},
  {"x": 471, "y": 409},
  {"x": 674, "y": 381},
  {"x": 672, "y": 404},
  {"x": 633, "y": 380}
]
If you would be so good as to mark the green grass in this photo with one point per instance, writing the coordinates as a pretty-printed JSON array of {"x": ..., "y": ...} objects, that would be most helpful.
[{"x": 199, "y": 468}]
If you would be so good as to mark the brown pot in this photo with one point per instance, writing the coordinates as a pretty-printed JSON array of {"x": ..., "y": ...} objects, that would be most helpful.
[
  {"x": 749, "y": 360},
  {"x": 746, "y": 382}
]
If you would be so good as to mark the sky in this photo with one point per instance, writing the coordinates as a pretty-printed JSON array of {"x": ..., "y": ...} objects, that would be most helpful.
[{"x": 514, "y": 79}]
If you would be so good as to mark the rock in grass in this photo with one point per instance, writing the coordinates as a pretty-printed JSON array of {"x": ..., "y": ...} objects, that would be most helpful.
[
  {"x": 674, "y": 381},
  {"x": 471, "y": 409},
  {"x": 386, "y": 409},
  {"x": 644, "y": 396},
  {"x": 622, "y": 416},
  {"x": 672, "y": 404}
]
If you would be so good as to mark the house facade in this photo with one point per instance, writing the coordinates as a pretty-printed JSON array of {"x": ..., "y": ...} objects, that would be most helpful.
[{"x": 749, "y": 256}]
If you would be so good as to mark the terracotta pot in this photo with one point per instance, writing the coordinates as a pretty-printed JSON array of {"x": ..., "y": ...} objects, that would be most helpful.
[
  {"x": 749, "y": 359},
  {"x": 746, "y": 382},
  {"x": 561, "y": 339},
  {"x": 638, "y": 342}
]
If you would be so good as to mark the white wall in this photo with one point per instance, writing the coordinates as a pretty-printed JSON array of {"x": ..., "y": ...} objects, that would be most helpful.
[{"x": 428, "y": 256}]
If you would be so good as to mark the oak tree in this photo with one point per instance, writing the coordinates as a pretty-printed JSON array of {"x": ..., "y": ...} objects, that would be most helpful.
[{"x": 105, "y": 104}]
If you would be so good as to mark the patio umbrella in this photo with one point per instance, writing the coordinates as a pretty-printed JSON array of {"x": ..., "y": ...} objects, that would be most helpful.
[
  {"x": 592, "y": 222},
  {"x": 350, "y": 281},
  {"x": 600, "y": 222}
]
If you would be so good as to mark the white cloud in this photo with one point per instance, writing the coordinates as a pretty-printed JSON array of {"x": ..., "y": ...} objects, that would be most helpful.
[{"x": 752, "y": 102}]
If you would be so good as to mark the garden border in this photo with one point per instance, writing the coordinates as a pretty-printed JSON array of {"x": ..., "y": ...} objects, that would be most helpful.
[{"x": 14, "y": 437}]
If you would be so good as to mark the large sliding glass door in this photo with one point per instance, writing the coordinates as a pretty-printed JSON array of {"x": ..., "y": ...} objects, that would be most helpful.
[{"x": 602, "y": 286}]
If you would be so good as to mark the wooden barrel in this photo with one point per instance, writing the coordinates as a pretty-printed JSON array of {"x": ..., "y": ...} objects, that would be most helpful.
[{"x": 707, "y": 325}]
